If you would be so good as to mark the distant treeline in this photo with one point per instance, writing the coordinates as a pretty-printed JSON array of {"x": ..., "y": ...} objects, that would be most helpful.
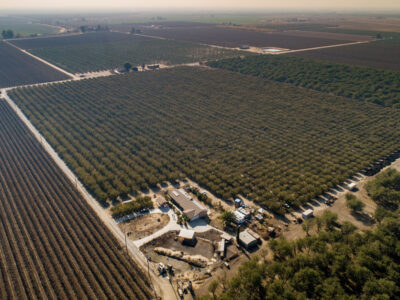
[
  {"x": 361, "y": 83},
  {"x": 9, "y": 34}
]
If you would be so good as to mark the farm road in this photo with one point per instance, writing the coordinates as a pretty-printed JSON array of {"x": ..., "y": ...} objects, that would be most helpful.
[
  {"x": 41, "y": 60},
  {"x": 323, "y": 47},
  {"x": 162, "y": 285},
  {"x": 259, "y": 49}
]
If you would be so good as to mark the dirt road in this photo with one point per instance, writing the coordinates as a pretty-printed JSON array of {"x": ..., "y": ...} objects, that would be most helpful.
[
  {"x": 259, "y": 50},
  {"x": 41, "y": 60},
  {"x": 162, "y": 285},
  {"x": 322, "y": 47}
]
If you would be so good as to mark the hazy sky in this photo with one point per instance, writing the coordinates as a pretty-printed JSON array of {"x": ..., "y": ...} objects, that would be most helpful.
[{"x": 202, "y": 4}]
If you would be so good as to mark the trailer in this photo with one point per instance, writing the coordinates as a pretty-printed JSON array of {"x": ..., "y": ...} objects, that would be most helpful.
[
  {"x": 351, "y": 186},
  {"x": 309, "y": 213}
]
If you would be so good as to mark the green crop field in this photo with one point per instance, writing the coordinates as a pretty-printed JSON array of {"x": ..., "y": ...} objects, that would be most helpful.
[
  {"x": 232, "y": 133},
  {"x": 106, "y": 50}
]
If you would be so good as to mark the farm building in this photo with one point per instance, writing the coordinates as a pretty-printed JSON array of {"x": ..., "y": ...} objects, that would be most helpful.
[
  {"x": 153, "y": 67},
  {"x": 192, "y": 209},
  {"x": 259, "y": 217},
  {"x": 187, "y": 237},
  {"x": 239, "y": 217},
  {"x": 247, "y": 240},
  {"x": 254, "y": 234},
  {"x": 244, "y": 212},
  {"x": 221, "y": 248},
  {"x": 307, "y": 213},
  {"x": 161, "y": 202},
  {"x": 226, "y": 237},
  {"x": 238, "y": 202}
]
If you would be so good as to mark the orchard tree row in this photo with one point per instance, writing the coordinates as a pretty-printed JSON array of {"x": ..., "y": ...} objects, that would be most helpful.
[
  {"x": 53, "y": 246},
  {"x": 231, "y": 133},
  {"x": 109, "y": 50},
  {"x": 361, "y": 83}
]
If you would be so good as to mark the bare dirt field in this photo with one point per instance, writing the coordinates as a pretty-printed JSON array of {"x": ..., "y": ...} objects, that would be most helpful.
[
  {"x": 144, "y": 225},
  {"x": 228, "y": 37},
  {"x": 379, "y": 54},
  {"x": 329, "y": 35}
]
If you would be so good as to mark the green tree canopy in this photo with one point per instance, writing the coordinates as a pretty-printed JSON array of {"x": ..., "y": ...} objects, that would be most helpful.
[
  {"x": 355, "y": 204},
  {"x": 228, "y": 217}
]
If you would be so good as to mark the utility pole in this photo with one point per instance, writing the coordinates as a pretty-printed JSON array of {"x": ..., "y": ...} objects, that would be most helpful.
[{"x": 148, "y": 272}]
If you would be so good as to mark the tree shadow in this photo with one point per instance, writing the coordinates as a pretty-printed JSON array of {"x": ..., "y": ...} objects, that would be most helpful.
[
  {"x": 315, "y": 202},
  {"x": 363, "y": 218},
  {"x": 338, "y": 188},
  {"x": 125, "y": 198},
  {"x": 280, "y": 217},
  {"x": 155, "y": 189},
  {"x": 164, "y": 184}
]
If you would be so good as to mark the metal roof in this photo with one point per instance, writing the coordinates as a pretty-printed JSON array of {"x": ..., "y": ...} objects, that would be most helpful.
[
  {"x": 246, "y": 238},
  {"x": 186, "y": 234},
  {"x": 190, "y": 207}
]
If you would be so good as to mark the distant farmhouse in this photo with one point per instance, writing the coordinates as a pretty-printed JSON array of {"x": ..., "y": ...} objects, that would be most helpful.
[{"x": 192, "y": 209}]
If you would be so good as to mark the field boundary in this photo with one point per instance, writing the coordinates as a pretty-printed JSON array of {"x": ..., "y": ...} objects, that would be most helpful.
[
  {"x": 258, "y": 50},
  {"x": 162, "y": 285},
  {"x": 323, "y": 47},
  {"x": 42, "y": 60}
]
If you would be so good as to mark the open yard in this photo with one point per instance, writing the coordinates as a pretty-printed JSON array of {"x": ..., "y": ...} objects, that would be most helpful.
[
  {"x": 203, "y": 247},
  {"x": 144, "y": 225},
  {"x": 18, "y": 68},
  {"x": 108, "y": 50},
  {"x": 231, "y": 133},
  {"x": 229, "y": 37}
]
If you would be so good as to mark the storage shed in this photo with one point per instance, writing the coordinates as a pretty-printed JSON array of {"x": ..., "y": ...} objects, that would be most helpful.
[
  {"x": 247, "y": 240},
  {"x": 239, "y": 217},
  {"x": 238, "y": 202},
  {"x": 307, "y": 213},
  {"x": 254, "y": 234},
  {"x": 187, "y": 236},
  {"x": 221, "y": 248},
  {"x": 226, "y": 237},
  {"x": 261, "y": 211},
  {"x": 351, "y": 186}
]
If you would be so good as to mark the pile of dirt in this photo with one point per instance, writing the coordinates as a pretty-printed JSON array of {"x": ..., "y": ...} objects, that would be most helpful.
[{"x": 196, "y": 260}]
